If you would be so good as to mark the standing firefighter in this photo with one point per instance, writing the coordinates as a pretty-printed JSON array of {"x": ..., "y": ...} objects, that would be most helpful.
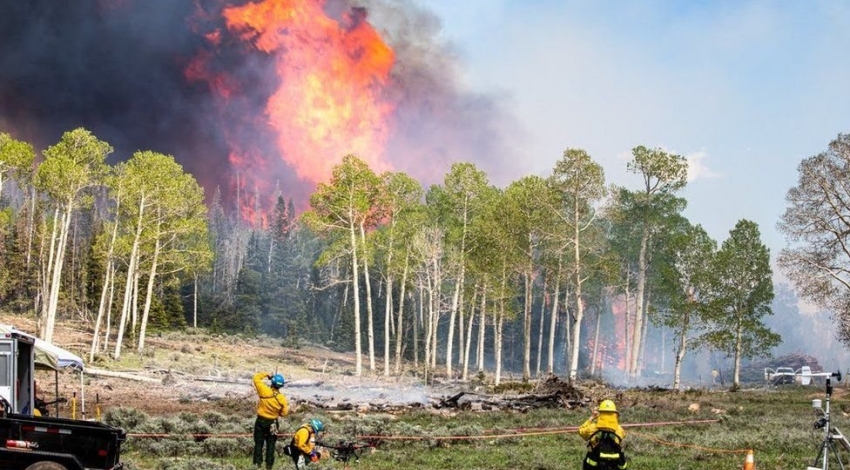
[
  {"x": 604, "y": 437},
  {"x": 272, "y": 405},
  {"x": 302, "y": 448}
]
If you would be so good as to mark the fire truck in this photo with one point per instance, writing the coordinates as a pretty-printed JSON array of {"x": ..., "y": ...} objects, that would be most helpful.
[{"x": 30, "y": 442}]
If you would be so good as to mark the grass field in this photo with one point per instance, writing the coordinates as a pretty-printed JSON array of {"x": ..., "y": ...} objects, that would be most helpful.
[{"x": 776, "y": 423}]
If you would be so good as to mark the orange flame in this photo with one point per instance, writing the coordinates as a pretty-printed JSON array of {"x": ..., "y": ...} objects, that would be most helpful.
[{"x": 333, "y": 75}]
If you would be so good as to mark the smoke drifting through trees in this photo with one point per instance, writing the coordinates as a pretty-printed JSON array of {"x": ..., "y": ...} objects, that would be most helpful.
[{"x": 123, "y": 69}]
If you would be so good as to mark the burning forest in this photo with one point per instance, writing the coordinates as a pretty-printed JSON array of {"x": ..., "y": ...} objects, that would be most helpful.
[{"x": 254, "y": 98}]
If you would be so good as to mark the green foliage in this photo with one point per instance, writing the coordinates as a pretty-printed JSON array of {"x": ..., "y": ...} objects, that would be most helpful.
[
  {"x": 777, "y": 424},
  {"x": 75, "y": 163},
  {"x": 194, "y": 463},
  {"x": 16, "y": 158},
  {"x": 741, "y": 296},
  {"x": 128, "y": 419}
]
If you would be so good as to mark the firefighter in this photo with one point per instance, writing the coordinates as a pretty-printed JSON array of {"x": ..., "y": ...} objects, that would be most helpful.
[
  {"x": 604, "y": 437},
  {"x": 302, "y": 448},
  {"x": 272, "y": 404}
]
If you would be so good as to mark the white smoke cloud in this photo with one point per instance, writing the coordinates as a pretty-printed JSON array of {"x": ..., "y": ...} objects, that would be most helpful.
[{"x": 698, "y": 167}]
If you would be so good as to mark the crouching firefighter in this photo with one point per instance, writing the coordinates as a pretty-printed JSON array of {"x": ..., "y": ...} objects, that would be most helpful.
[
  {"x": 604, "y": 437},
  {"x": 272, "y": 404},
  {"x": 302, "y": 448}
]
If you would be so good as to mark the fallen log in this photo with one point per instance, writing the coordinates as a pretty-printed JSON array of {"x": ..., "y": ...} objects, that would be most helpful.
[
  {"x": 451, "y": 402},
  {"x": 236, "y": 380},
  {"x": 221, "y": 380},
  {"x": 121, "y": 375}
]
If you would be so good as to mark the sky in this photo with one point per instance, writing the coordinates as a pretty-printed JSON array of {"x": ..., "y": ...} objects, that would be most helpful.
[{"x": 745, "y": 90}]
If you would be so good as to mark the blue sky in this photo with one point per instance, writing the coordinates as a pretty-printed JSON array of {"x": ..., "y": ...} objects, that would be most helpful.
[{"x": 745, "y": 90}]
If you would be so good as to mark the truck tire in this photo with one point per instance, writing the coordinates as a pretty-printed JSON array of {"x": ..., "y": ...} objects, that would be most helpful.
[{"x": 46, "y": 465}]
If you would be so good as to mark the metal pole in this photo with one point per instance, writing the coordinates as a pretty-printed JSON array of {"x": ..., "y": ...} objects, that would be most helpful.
[
  {"x": 83, "y": 396},
  {"x": 826, "y": 443},
  {"x": 56, "y": 396}
]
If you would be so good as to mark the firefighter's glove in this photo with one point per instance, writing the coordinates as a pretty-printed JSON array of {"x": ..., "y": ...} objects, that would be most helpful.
[{"x": 314, "y": 456}]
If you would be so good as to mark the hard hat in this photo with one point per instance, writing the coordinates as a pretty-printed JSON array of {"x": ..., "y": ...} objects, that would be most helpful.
[
  {"x": 277, "y": 381},
  {"x": 317, "y": 425},
  {"x": 608, "y": 405}
]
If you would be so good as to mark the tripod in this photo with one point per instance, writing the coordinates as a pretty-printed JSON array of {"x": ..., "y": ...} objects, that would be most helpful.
[{"x": 831, "y": 434}]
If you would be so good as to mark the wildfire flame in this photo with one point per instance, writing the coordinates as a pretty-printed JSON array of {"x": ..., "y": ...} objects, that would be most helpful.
[
  {"x": 331, "y": 89},
  {"x": 275, "y": 91},
  {"x": 332, "y": 76}
]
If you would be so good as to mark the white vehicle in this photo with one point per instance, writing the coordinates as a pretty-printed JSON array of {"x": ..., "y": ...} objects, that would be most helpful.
[
  {"x": 787, "y": 375},
  {"x": 780, "y": 376}
]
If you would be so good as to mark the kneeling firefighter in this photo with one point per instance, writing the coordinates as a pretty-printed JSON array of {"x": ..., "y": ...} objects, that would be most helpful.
[
  {"x": 302, "y": 448},
  {"x": 604, "y": 437}
]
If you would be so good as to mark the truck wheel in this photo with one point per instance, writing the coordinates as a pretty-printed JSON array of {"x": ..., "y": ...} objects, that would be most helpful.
[{"x": 46, "y": 465}]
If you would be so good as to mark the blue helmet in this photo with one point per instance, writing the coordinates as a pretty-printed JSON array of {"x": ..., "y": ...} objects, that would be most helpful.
[
  {"x": 317, "y": 426},
  {"x": 277, "y": 381}
]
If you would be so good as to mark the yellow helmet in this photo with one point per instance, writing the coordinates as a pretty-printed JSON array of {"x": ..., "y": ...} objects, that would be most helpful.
[{"x": 608, "y": 405}]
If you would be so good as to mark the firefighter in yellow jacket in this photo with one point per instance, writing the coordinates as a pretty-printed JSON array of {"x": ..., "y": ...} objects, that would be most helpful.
[
  {"x": 604, "y": 437},
  {"x": 272, "y": 405},
  {"x": 302, "y": 448}
]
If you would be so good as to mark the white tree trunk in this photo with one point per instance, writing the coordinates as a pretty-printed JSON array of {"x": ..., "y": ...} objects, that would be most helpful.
[
  {"x": 451, "y": 334},
  {"x": 429, "y": 324},
  {"x": 108, "y": 331},
  {"x": 680, "y": 355},
  {"x": 738, "y": 348},
  {"x": 541, "y": 329},
  {"x": 55, "y": 284},
  {"x": 482, "y": 328},
  {"x": 358, "y": 346},
  {"x": 46, "y": 273},
  {"x": 553, "y": 321},
  {"x": 400, "y": 330},
  {"x": 388, "y": 312},
  {"x": 417, "y": 322},
  {"x": 435, "y": 311},
  {"x": 30, "y": 226},
  {"x": 131, "y": 274},
  {"x": 497, "y": 342},
  {"x": 639, "y": 310},
  {"x": 110, "y": 266},
  {"x": 578, "y": 294},
  {"x": 195, "y": 303},
  {"x": 370, "y": 326},
  {"x": 468, "y": 340},
  {"x": 594, "y": 357},
  {"x": 148, "y": 296},
  {"x": 100, "y": 311},
  {"x": 526, "y": 326}
]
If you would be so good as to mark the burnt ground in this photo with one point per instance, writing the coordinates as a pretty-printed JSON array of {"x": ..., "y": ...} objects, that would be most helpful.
[{"x": 197, "y": 372}]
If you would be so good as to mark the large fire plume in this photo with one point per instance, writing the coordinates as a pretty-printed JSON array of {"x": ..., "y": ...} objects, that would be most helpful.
[
  {"x": 333, "y": 73},
  {"x": 255, "y": 98}
]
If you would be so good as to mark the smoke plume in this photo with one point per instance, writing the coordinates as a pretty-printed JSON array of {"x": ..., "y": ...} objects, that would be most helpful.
[{"x": 250, "y": 97}]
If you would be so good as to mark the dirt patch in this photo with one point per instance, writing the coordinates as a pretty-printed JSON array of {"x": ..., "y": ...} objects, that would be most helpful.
[{"x": 194, "y": 373}]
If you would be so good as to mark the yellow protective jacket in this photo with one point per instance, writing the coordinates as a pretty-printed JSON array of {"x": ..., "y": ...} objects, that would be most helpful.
[
  {"x": 304, "y": 439},
  {"x": 606, "y": 421},
  {"x": 272, "y": 403}
]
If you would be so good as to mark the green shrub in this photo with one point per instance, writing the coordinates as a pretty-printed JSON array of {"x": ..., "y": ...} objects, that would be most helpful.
[
  {"x": 193, "y": 464},
  {"x": 128, "y": 419}
]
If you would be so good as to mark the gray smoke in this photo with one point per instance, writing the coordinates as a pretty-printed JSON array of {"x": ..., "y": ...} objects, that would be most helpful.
[{"x": 117, "y": 67}]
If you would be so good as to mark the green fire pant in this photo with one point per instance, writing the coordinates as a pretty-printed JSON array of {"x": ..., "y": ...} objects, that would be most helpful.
[{"x": 264, "y": 436}]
